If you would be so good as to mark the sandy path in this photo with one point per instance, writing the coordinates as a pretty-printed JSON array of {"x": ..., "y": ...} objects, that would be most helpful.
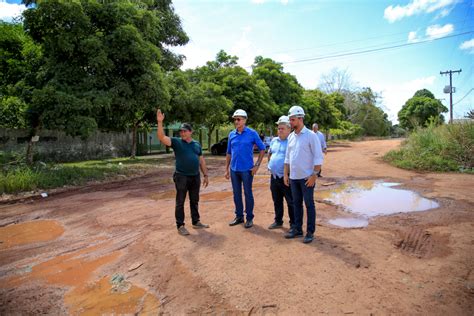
[{"x": 415, "y": 263}]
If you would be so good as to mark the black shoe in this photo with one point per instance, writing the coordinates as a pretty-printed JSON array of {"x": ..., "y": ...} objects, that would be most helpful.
[
  {"x": 236, "y": 221},
  {"x": 308, "y": 238},
  {"x": 248, "y": 223},
  {"x": 293, "y": 234},
  {"x": 275, "y": 225}
]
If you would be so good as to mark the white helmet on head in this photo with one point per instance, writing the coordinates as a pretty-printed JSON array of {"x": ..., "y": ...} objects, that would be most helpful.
[
  {"x": 283, "y": 120},
  {"x": 240, "y": 112},
  {"x": 296, "y": 110}
]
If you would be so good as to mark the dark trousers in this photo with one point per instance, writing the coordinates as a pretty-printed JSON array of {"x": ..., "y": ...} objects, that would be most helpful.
[
  {"x": 185, "y": 184},
  {"x": 279, "y": 191},
  {"x": 238, "y": 179},
  {"x": 301, "y": 192}
]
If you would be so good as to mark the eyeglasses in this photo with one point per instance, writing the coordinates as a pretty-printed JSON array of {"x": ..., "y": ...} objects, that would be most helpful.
[{"x": 237, "y": 119}]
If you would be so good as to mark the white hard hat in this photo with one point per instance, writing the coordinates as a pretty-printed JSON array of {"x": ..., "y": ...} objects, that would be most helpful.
[
  {"x": 296, "y": 110},
  {"x": 240, "y": 112},
  {"x": 283, "y": 120}
]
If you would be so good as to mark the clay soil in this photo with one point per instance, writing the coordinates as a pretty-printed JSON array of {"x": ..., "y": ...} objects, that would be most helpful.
[{"x": 113, "y": 248}]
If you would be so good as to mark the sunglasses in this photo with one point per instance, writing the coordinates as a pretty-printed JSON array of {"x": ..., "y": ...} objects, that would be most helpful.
[{"x": 237, "y": 119}]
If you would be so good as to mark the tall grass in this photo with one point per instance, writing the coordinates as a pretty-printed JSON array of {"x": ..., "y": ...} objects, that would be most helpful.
[
  {"x": 22, "y": 178},
  {"x": 437, "y": 148}
]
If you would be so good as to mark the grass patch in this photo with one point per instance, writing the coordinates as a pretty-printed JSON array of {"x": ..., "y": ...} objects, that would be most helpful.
[
  {"x": 437, "y": 148},
  {"x": 21, "y": 178}
]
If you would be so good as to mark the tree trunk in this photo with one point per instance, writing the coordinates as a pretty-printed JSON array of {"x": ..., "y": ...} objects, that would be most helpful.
[{"x": 134, "y": 141}]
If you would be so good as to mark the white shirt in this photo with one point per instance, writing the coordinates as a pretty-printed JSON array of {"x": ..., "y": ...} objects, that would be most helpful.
[{"x": 303, "y": 153}]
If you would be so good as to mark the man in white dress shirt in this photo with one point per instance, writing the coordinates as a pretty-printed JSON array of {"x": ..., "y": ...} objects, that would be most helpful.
[{"x": 303, "y": 161}]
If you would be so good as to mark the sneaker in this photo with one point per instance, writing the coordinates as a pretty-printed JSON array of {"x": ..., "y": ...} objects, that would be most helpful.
[
  {"x": 293, "y": 234},
  {"x": 200, "y": 225},
  {"x": 308, "y": 238},
  {"x": 183, "y": 231},
  {"x": 275, "y": 225}
]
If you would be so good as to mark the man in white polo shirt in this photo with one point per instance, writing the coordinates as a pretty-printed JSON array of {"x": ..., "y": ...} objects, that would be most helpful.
[{"x": 303, "y": 161}]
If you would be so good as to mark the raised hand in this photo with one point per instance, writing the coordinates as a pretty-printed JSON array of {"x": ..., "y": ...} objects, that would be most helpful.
[{"x": 160, "y": 117}]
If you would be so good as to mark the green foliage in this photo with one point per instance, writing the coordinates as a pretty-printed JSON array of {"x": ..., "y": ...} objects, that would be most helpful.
[
  {"x": 12, "y": 112},
  {"x": 321, "y": 108},
  {"x": 365, "y": 113},
  {"x": 420, "y": 109},
  {"x": 21, "y": 178},
  {"x": 437, "y": 148},
  {"x": 347, "y": 130},
  {"x": 284, "y": 88}
]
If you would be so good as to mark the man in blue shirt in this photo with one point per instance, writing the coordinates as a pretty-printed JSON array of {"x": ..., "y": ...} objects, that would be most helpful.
[
  {"x": 189, "y": 160},
  {"x": 276, "y": 165},
  {"x": 322, "y": 140},
  {"x": 240, "y": 167}
]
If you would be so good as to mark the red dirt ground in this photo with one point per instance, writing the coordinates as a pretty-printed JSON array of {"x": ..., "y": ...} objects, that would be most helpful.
[{"x": 113, "y": 249}]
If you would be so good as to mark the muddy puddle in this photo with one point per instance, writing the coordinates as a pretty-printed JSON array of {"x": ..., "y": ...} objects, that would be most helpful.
[
  {"x": 106, "y": 297},
  {"x": 29, "y": 232},
  {"x": 373, "y": 198},
  {"x": 76, "y": 270}
]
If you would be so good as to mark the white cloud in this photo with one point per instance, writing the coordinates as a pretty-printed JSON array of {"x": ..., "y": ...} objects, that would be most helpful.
[
  {"x": 195, "y": 56},
  {"x": 8, "y": 11},
  {"x": 395, "y": 13},
  {"x": 244, "y": 49},
  {"x": 468, "y": 45},
  {"x": 412, "y": 38},
  {"x": 284, "y": 2},
  {"x": 283, "y": 58},
  {"x": 395, "y": 95},
  {"x": 437, "y": 31},
  {"x": 432, "y": 32}
]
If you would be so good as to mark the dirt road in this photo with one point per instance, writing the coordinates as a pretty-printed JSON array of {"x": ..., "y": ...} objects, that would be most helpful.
[{"x": 114, "y": 249}]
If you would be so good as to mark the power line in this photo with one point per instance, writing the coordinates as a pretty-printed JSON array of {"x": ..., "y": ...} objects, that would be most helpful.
[
  {"x": 464, "y": 96},
  {"x": 356, "y": 40},
  {"x": 374, "y": 50}
]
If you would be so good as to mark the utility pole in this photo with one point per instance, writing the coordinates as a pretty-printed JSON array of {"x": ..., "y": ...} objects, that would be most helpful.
[{"x": 449, "y": 89}]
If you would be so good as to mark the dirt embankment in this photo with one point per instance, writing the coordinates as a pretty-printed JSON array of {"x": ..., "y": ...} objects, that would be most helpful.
[{"x": 114, "y": 249}]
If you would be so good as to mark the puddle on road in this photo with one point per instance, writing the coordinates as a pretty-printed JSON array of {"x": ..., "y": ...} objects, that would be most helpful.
[
  {"x": 71, "y": 269},
  {"x": 374, "y": 198},
  {"x": 29, "y": 232},
  {"x": 101, "y": 298},
  {"x": 349, "y": 222}
]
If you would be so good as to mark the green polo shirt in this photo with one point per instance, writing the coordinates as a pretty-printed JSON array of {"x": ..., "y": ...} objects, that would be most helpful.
[{"x": 187, "y": 156}]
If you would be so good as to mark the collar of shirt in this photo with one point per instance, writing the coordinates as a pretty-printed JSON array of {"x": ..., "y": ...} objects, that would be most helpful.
[{"x": 244, "y": 130}]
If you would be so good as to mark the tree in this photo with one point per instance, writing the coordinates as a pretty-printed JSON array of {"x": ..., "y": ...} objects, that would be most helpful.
[
  {"x": 105, "y": 62},
  {"x": 320, "y": 108},
  {"x": 337, "y": 80},
  {"x": 284, "y": 88},
  {"x": 420, "y": 109}
]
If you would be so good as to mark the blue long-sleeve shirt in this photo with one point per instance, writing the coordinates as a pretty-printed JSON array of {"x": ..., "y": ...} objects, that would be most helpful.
[{"x": 240, "y": 147}]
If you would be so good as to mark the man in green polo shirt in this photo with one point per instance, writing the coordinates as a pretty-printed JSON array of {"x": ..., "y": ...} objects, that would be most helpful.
[{"x": 189, "y": 160}]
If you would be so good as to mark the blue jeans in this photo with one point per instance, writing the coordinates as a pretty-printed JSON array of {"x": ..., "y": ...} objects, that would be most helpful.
[
  {"x": 301, "y": 192},
  {"x": 238, "y": 178}
]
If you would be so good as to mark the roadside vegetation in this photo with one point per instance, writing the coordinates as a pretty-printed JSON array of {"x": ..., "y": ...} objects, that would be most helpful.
[
  {"x": 437, "y": 148},
  {"x": 19, "y": 177}
]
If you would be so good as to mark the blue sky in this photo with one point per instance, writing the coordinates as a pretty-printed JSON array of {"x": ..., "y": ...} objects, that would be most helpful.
[{"x": 289, "y": 31}]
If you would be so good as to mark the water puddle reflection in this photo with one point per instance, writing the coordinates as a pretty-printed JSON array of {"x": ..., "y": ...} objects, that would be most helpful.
[
  {"x": 374, "y": 198},
  {"x": 349, "y": 222}
]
